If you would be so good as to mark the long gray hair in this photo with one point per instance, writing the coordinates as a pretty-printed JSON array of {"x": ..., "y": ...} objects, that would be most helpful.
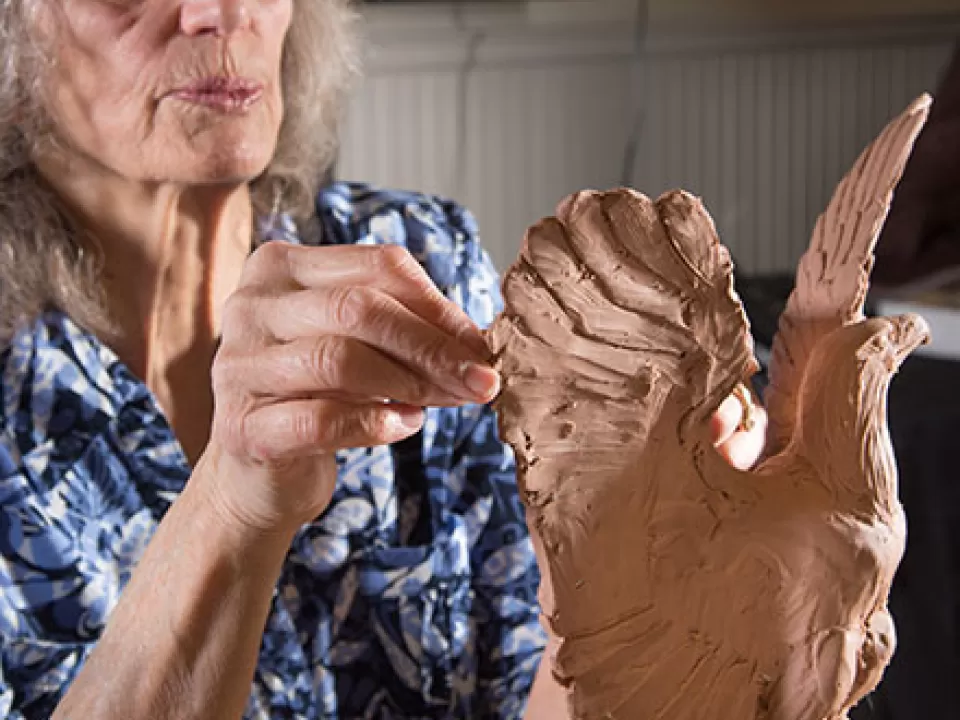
[{"x": 41, "y": 264}]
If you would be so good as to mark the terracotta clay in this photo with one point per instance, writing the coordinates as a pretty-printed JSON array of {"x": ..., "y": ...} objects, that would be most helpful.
[{"x": 675, "y": 587}]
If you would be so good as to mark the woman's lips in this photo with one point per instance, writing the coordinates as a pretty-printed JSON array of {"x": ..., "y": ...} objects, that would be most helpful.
[{"x": 226, "y": 95}]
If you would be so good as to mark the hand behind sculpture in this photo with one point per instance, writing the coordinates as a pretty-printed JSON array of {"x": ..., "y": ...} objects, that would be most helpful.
[{"x": 673, "y": 585}]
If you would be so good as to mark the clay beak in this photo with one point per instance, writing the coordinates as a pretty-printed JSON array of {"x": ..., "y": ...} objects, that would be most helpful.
[{"x": 905, "y": 334}]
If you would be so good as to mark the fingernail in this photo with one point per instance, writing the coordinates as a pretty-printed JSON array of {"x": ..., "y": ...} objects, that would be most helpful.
[
  {"x": 482, "y": 381},
  {"x": 407, "y": 419}
]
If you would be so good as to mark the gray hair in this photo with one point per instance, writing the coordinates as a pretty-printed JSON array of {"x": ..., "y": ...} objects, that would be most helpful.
[{"x": 41, "y": 264}]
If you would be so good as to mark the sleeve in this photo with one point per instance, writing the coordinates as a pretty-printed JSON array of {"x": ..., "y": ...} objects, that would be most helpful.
[
  {"x": 505, "y": 577},
  {"x": 34, "y": 675},
  {"x": 36, "y": 665}
]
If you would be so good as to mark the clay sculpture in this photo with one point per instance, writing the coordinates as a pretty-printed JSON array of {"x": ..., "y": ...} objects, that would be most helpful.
[{"x": 674, "y": 586}]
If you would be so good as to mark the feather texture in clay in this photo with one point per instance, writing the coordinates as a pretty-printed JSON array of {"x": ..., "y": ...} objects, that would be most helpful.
[{"x": 675, "y": 587}]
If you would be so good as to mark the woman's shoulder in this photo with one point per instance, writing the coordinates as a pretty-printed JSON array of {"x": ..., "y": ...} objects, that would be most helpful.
[
  {"x": 51, "y": 365},
  {"x": 440, "y": 233},
  {"x": 61, "y": 392},
  {"x": 87, "y": 467}
]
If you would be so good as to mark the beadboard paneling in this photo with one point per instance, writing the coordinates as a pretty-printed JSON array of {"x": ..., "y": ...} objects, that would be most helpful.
[{"x": 509, "y": 120}]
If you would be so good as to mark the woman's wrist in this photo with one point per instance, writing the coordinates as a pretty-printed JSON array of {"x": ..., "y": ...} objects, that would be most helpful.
[
  {"x": 242, "y": 529},
  {"x": 205, "y": 582}
]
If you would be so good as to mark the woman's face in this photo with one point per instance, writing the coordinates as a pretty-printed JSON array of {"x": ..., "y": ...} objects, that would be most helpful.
[{"x": 170, "y": 90}]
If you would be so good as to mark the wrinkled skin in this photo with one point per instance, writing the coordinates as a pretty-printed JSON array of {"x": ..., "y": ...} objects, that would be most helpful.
[
  {"x": 675, "y": 586},
  {"x": 113, "y": 91}
]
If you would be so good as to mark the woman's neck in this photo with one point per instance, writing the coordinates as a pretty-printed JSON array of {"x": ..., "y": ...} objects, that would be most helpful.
[{"x": 172, "y": 254}]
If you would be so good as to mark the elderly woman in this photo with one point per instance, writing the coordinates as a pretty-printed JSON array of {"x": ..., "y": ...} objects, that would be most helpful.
[{"x": 221, "y": 495}]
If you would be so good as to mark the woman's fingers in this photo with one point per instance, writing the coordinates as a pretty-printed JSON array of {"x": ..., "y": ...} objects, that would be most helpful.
[
  {"x": 389, "y": 268},
  {"x": 379, "y": 320},
  {"x": 328, "y": 365},
  {"x": 329, "y": 348},
  {"x": 726, "y": 420},
  {"x": 294, "y": 429},
  {"x": 739, "y": 428},
  {"x": 744, "y": 448}
]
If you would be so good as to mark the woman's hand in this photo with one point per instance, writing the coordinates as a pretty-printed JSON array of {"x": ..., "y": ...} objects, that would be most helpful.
[
  {"x": 324, "y": 349},
  {"x": 739, "y": 428}
]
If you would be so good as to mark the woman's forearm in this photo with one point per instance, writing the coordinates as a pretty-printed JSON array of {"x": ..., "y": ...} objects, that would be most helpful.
[{"x": 183, "y": 640}]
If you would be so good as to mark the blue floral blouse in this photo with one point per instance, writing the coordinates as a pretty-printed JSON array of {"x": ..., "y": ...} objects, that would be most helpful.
[{"x": 412, "y": 596}]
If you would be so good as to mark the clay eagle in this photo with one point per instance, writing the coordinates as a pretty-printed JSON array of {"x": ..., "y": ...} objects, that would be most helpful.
[{"x": 675, "y": 587}]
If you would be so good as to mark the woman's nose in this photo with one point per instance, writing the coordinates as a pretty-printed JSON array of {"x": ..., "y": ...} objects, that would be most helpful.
[{"x": 218, "y": 17}]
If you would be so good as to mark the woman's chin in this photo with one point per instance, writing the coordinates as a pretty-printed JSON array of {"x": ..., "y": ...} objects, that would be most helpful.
[
  {"x": 233, "y": 154},
  {"x": 223, "y": 167},
  {"x": 228, "y": 171}
]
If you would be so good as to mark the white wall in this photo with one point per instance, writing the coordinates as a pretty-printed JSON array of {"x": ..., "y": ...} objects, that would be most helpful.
[{"x": 509, "y": 114}]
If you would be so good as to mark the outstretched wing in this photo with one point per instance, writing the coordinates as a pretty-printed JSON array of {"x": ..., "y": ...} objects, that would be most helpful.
[
  {"x": 620, "y": 318},
  {"x": 625, "y": 300},
  {"x": 833, "y": 276}
]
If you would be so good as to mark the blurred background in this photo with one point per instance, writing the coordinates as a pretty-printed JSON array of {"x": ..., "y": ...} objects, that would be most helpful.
[{"x": 757, "y": 106}]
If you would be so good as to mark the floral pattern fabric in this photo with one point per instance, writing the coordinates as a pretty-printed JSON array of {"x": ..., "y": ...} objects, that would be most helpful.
[{"x": 412, "y": 596}]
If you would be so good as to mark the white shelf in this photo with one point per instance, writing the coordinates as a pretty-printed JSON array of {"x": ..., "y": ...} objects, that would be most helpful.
[{"x": 944, "y": 326}]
